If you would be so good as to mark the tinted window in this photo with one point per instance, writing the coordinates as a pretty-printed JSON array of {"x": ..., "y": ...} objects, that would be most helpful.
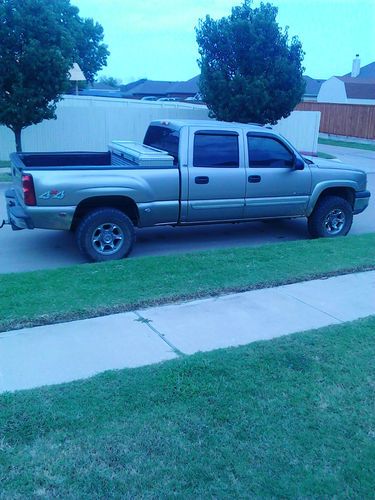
[
  {"x": 216, "y": 150},
  {"x": 268, "y": 152},
  {"x": 163, "y": 138}
]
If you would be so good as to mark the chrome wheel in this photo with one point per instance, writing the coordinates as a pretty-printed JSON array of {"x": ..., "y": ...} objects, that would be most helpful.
[
  {"x": 335, "y": 221},
  {"x": 107, "y": 238}
]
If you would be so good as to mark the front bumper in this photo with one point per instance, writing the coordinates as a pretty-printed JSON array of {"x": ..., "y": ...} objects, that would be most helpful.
[
  {"x": 18, "y": 217},
  {"x": 361, "y": 201}
]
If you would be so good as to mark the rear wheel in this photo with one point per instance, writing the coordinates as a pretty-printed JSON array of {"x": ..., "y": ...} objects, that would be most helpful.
[
  {"x": 105, "y": 234},
  {"x": 332, "y": 216}
]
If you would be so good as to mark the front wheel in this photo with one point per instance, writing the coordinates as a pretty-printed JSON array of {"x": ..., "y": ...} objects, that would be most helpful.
[
  {"x": 332, "y": 216},
  {"x": 105, "y": 234}
]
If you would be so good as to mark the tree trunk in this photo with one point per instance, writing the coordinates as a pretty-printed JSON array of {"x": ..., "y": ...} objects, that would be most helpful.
[{"x": 17, "y": 134}]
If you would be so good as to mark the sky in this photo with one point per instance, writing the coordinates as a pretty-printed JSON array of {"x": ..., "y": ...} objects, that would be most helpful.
[{"x": 155, "y": 39}]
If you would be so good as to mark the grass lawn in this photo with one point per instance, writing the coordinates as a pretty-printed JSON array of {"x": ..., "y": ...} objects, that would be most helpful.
[
  {"x": 287, "y": 418},
  {"x": 347, "y": 144},
  {"x": 96, "y": 289},
  {"x": 4, "y": 175}
]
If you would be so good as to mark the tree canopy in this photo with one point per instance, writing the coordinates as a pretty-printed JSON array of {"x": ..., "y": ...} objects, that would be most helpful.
[
  {"x": 250, "y": 71},
  {"x": 39, "y": 41},
  {"x": 110, "y": 81}
]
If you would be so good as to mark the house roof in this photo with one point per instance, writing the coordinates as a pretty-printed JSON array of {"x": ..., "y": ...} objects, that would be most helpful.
[
  {"x": 160, "y": 88},
  {"x": 189, "y": 87},
  {"x": 367, "y": 71},
  {"x": 358, "y": 88},
  {"x": 312, "y": 86},
  {"x": 147, "y": 87},
  {"x": 129, "y": 86}
]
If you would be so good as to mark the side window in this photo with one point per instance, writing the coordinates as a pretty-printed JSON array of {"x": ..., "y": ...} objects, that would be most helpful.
[
  {"x": 268, "y": 152},
  {"x": 216, "y": 150}
]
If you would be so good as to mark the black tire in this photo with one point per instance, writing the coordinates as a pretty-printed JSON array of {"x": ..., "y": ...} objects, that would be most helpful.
[
  {"x": 331, "y": 217},
  {"x": 105, "y": 234}
]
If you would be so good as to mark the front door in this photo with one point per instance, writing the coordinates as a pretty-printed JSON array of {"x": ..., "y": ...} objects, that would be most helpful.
[
  {"x": 217, "y": 176},
  {"x": 274, "y": 187}
]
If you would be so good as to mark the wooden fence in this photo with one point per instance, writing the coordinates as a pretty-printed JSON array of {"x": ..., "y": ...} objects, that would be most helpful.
[{"x": 353, "y": 120}]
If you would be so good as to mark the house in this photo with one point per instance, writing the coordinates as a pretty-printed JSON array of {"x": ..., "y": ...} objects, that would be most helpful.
[
  {"x": 312, "y": 88},
  {"x": 367, "y": 72},
  {"x": 183, "y": 90},
  {"x": 190, "y": 88},
  {"x": 357, "y": 87},
  {"x": 98, "y": 89},
  {"x": 144, "y": 88}
]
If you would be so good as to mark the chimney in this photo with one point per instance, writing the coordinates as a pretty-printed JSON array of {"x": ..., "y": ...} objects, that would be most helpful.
[{"x": 356, "y": 68}]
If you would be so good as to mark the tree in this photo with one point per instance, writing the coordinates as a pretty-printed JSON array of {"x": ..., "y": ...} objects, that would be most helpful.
[
  {"x": 39, "y": 41},
  {"x": 249, "y": 70},
  {"x": 90, "y": 53},
  {"x": 110, "y": 81}
]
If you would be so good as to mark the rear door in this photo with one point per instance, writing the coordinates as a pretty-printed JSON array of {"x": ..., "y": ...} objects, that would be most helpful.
[
  {"x": 274, "y": 187},
  {"x": 217, "y": 175}
]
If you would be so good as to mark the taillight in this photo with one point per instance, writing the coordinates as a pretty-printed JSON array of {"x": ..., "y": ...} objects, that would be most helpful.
[{"x": 28, "y": 190}]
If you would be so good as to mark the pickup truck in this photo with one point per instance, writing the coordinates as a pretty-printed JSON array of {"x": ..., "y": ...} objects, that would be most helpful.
[{"x": 185, "y": 172}]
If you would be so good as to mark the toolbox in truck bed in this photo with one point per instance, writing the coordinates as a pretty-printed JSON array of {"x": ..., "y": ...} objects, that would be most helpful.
[{"x": 123, "y": 152}]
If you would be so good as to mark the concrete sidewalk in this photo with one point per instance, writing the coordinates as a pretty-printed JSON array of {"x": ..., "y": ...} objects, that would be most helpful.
[{"x": 53, "y": 354}]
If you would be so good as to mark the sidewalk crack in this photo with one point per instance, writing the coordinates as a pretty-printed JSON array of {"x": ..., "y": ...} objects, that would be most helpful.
[
  {"x": 313, "y": 307},
  {"x": 148, "y": 322}
]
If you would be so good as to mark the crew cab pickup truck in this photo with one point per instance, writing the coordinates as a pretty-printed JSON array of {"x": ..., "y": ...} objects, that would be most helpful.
[{"x": 185, "y": 172}]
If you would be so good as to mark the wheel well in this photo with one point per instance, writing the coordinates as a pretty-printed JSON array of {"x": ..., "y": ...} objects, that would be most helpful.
[
  {"x": 123, "y": 203},
  {"x": 343, "y": 192}
]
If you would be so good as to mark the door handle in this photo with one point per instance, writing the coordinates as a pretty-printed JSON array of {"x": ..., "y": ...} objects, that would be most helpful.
[
  {"x": 254, "y": 178},
  {"x": 202, "y": 179}
]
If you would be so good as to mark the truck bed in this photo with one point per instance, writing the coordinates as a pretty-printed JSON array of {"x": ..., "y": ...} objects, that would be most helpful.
[
  {"x": 73, "y": 159},
  {"x": 121, "y": 154}
]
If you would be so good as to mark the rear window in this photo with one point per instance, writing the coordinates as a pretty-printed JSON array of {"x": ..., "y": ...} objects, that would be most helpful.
[{"x": 163, "y": 138}]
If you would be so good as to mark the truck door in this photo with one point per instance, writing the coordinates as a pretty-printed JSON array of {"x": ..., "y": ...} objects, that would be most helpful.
[
  {"x": 274, "y": 187},
  {"x": 217, "y": 176}
]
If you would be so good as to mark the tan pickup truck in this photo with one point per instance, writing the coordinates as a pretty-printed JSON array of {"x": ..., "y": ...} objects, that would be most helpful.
[{"x": 185, "y": 172}]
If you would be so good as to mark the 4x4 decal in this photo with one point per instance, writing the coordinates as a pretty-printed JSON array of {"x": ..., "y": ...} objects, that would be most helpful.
[{"x": 53, "y": 194}]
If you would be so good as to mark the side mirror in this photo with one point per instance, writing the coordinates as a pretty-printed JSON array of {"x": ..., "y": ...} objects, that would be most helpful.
[{"x": 298, "y": 164}]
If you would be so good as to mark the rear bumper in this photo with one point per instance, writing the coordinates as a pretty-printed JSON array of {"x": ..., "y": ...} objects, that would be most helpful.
[
  {"x": 18, "y": 217},
  {"x": 361, "y": 201}
]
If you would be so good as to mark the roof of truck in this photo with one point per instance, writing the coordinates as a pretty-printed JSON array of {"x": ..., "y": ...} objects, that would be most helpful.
[{"x": 211, "y": 124}]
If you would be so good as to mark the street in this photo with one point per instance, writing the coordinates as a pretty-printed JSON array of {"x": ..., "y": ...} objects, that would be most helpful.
[{"x": 44, "y": 249}]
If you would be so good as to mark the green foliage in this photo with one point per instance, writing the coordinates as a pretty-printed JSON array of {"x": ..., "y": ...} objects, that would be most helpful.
[
  {"x": 347, "y": 144},
  {"x": 39, "y": 41},
  {"x": 250, "y": 72},
  {"x": 110, "y": 80},
  {"x": 90, "y": 53}
]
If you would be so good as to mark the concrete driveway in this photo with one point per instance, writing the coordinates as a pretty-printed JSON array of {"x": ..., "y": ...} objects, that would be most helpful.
[
  {"x": 42, "y": 249},
  {"x": 361, "y": 158}
]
